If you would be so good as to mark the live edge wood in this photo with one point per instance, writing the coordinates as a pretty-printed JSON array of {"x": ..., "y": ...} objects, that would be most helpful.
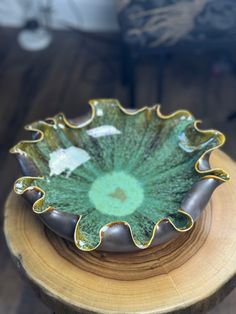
[{"x": 188, "y": 275}]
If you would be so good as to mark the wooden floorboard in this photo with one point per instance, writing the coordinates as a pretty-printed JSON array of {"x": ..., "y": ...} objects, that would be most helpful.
[{"x": 74, "y": 69}]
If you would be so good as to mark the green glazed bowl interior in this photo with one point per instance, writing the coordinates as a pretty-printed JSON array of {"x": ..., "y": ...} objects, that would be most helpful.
[{"x": 119, "y": 168}]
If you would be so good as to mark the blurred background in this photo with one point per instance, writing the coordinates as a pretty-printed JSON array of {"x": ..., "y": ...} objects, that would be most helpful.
[{"x": 55, "y": 55}]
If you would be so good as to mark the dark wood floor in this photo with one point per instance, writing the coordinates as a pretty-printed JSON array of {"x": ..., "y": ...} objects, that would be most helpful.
[{"x": 76, "y": 68}]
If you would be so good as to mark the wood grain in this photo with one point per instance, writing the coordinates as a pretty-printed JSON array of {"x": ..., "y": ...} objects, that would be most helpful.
[{"x": 204, "y": 277}]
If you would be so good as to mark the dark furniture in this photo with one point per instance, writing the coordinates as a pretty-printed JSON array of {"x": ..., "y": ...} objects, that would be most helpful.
[{"x": 156, "y": 28}]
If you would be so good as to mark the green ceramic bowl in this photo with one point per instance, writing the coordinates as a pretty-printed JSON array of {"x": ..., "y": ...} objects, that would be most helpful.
[{"x": 121, "y": 180}]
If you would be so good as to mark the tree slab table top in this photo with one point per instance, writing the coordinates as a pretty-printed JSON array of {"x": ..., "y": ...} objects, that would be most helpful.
[{"x": 187, "y": 275}]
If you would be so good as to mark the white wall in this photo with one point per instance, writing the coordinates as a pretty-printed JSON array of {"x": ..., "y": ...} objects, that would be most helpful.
[{"x": 90, "y": 15}]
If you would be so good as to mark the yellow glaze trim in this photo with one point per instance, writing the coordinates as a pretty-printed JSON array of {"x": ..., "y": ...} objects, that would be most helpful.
[
  {"x": 76, "y": 240},
  {"x": 93, "y": 103}
]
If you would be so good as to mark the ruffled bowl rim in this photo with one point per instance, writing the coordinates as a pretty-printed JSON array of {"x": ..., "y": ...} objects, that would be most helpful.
[{"x": 221, "y": 176}]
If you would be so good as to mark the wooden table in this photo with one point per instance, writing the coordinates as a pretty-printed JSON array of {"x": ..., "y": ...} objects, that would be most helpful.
[{"x": 190, "y": 274}]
